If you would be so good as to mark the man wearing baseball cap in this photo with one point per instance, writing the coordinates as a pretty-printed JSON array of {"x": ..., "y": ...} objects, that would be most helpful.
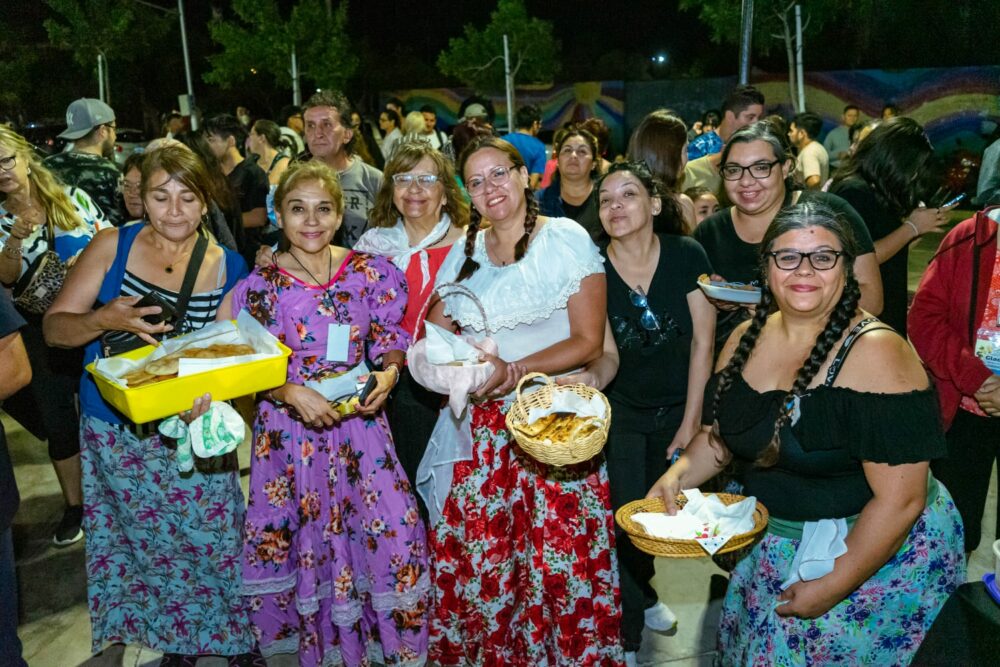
[{"x": 90, "y": 125}]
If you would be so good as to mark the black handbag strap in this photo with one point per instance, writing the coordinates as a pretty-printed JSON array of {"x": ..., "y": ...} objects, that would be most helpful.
[{"x": 190, "y": 276}]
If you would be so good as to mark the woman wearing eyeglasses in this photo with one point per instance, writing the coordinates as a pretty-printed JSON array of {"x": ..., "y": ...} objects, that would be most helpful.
[
  {"x": 524, "y": 570},
  {"x": 756, "y": 167},
  {"x": 38, "y": 214},
  {"x": 572, "y": 193},
  {"x": 419, "y": 214},
  {"x": 830, "y": 421},
  {"x": 663, "y": 327}
]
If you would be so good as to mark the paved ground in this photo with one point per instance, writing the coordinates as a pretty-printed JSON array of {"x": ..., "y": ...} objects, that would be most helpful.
[{"x": 56, "y": 629}]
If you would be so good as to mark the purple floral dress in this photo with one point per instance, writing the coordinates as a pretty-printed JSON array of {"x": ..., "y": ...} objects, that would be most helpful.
[{"x": 335, "y": 563}]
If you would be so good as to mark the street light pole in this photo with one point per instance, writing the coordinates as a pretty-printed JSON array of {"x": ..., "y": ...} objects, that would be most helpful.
[
  {"x": 187, "y": 65},
  {"x": 184, "y": 45},
  {"x": 746, "y": 33}
]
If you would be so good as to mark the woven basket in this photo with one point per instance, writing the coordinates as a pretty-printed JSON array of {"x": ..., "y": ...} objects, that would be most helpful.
[
  {"x": 558, "y": 454},
  {"x": 674, "y": 548}
]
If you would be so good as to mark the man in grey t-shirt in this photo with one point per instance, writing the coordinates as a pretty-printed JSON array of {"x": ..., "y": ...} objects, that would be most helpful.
[{"x": 330, "y": 139}]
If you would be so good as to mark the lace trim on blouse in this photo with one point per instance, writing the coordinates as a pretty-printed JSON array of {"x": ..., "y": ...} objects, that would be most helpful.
[{"x": 558, "y": 259}]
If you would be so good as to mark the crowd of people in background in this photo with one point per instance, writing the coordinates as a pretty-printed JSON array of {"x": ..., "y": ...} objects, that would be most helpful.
[{"x": 402, "y": 534}]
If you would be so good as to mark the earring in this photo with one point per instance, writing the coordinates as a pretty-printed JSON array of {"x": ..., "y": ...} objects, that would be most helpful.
[{"x": 29, "y": 171}]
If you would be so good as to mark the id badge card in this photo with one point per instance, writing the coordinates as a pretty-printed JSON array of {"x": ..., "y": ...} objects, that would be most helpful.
[
  {"x": 988, "y": 349},
  {"x": 338, "y": 342}
]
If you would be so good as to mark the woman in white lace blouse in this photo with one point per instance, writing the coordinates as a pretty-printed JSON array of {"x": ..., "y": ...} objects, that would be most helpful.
[{"x": 521, "y": 552}]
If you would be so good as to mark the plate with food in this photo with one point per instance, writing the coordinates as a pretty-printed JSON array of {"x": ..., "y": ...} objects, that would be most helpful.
[{"x": 728, "y": 291}]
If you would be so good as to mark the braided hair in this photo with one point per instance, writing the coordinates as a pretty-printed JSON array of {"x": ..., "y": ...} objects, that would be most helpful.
[
  {"x": 800, "y": 216},
  {"x": 470, "y": 265}
]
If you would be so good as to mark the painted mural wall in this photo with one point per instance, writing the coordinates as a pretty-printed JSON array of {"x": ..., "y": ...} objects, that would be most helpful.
[{"x": 959, "y": 107}]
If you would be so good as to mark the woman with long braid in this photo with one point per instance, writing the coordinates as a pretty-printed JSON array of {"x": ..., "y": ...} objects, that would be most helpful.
[
  {"x": 826, "y": 414},
  {"x": 521, "y": 553}
]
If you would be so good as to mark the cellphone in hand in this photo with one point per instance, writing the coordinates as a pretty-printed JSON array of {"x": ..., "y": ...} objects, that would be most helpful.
[
  {"x": 368, "y": 389},
  {"x": 167, "y": 314},
  {"x": 954, "y": 201}
]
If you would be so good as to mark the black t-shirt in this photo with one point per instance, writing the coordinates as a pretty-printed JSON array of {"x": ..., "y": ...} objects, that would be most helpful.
[
  {"x": 736, "y": 260},
  {"x": 654, "y": 363},
  {"x": 250, "y": 184},
  {"x": 10, "y": 322},
  {"x": 880, "y": 223}
]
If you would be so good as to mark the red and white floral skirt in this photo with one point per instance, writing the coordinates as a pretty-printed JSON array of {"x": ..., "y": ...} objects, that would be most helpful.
[{"x": 523, "y": 559}]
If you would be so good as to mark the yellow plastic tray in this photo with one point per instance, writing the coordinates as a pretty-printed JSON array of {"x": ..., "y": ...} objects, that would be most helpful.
[{"x": 170, "y": 397}]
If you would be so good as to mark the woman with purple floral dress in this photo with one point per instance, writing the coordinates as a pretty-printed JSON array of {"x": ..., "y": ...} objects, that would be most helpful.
[{"x": 334, "y": 564}]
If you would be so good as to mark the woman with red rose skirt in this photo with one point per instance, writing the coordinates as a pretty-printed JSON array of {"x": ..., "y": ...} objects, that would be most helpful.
[{"x": 522, "y": 553}]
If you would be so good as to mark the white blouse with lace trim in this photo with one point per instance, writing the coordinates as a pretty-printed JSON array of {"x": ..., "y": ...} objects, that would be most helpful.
[{"x": 525, "y": 302}]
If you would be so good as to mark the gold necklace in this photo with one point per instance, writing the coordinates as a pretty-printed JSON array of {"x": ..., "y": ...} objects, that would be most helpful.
[{"x": 169, "y": 268}]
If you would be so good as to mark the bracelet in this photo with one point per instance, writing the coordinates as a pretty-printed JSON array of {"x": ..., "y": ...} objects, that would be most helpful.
[
  {"x": 14, "y": 252},
  {"x": 397, "y": 366},
  {"x": 916, "y": 232}
]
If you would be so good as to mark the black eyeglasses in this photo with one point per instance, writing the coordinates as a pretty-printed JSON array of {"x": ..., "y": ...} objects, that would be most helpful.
[
  {"x": 759, "y": 170},
  {"x": 648, "y": 319},
  {"x": 820, "y": 260}
]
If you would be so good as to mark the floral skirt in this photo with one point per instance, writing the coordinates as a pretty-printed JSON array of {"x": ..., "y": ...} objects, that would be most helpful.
[
  {"x": 335, "y": 562},
  {"x": 163, "y": 547},
  {"x": 524, "y": 560},
  {"x": 881, "y": 623}
]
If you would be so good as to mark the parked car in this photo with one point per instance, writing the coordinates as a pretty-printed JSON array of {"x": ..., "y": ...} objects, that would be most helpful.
[{"x": 129, "y": 141}]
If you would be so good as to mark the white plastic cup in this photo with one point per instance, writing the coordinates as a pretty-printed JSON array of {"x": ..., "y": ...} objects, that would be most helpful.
[{"x": 996, "y": 560}]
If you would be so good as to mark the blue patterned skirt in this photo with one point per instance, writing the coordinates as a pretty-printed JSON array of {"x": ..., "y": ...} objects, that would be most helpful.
[
  {"x": 880, "y": 623},
  {"x": 163, "y": 548}
]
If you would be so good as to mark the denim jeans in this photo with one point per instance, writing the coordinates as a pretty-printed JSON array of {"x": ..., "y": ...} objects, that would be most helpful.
[{"x": 10, "y": 645}]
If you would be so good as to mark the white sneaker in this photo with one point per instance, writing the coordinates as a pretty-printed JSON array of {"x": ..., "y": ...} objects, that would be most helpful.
[
  {"x": 630, "y": 659},
  {"x": 660, "y": 618}
]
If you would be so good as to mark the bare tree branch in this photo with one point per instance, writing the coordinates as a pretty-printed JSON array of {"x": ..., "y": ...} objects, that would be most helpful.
[{"x": 480, "y": 68}]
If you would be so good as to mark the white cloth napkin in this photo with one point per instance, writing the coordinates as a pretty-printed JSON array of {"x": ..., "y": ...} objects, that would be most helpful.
[
  {"x": 444, "y": 347},
  {"x": 705, "y": 519},
  {"x": 568, "y": 401},
  {"x": 217, "y": 432},
  {"x": 822, "y": 543}
]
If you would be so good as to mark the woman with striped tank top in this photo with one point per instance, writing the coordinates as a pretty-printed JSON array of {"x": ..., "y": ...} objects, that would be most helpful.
[{"x": 163, "y": 546}]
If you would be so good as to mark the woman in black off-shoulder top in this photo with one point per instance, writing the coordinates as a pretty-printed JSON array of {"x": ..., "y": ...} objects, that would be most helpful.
[{"x": 826, "y": 414}]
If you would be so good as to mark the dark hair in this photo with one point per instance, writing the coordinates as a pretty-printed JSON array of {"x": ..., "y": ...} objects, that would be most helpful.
[
  {"x": 396, "y": 102},
  {"x": 133, "y": 161},
  {"x": 384, "y": 213},
  {"x": 810, "y": 122},
  {"x": 780, "y": 126},
  {"x": 740, "y": 98},
  {"x": 851, "y": 106},
  {"x": 763, "y": 130},
  {"x": 427, "y": 108},
  {"x": 601, "y": 132},
  {"x": 527, "y": 115},
  {"x": 270, "y": 131},
  {"x": 711, "y": 118},
  {"x": 288, "y": 111},
  {"x": 221, "y": 192},
  {"x": 699, "y": 191},
  {"x": 892, "y": 108},
  {"x": 226, "y": 125},
  {"x": 890, "y": 160},
  {"x": 465, "y": 132},
  {"x": 335, "y": 100},
  {"x": 475, "y": 217},
  {"x": 393, "y": 116},
  {"x": 658, "y": 141},
  {"x": 577, "y": 131},
  {"x": 181, "y": 165},
  {"x": 853, "y": 130},
  {"x": 799, "y": 216},
  {"x": 669, "y": 220}
]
